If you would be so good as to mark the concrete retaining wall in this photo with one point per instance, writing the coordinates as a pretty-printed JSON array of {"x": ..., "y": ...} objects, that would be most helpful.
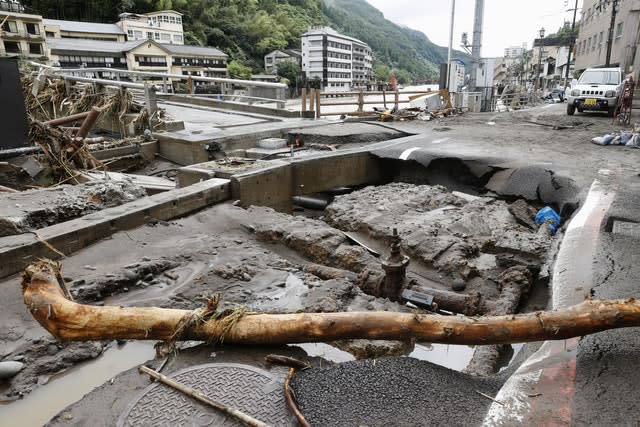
[
  {"x": 16, "y": 252},
  {"x": 276, "y": 185}
]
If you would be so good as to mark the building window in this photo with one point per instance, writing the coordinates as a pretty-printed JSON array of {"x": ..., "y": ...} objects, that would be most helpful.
[
  {"x": 151, "y": 61},
  {"x": 178, "y": 20},
  {"x": 172, "y": 20},
  {"x": 137, "y": 35},
  {"x": 50, "y": 34},
  {"x": 165, "y": 37},
  {"x": 33, "y": 29},
  {"x": 149, "y": 34},
  {"x": 10, "y": 27},
  {"x": 619, "y": 30},
  {"x": 35, "y": 48},
  {"x": 600, "y": 37},
  {"x": 12, "y": 47},
  {"x": 177, "y": 38},
  {"x": 130, "y": 33}
]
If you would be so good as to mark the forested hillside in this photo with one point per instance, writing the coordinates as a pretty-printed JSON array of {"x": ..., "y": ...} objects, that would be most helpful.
[{"x": 247, "y": 29}]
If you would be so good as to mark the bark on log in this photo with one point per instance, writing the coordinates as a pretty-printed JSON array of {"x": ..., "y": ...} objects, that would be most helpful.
[
  {"x": 514, "y": 282},
  {"x": 68, "y": 320},
  {"x": 467, "y": 304},
  {"x": 68, "y": 119}
]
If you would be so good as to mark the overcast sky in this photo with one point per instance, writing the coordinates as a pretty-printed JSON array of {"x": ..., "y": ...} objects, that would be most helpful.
[{"x": 506, "y": 22}]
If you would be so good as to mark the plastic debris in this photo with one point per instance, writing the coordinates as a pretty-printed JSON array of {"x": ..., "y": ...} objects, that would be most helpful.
[
  {"x": 603, "y": 140},
  {"x": 634, "y": 141},
  {"x": 549, "y": 216}
]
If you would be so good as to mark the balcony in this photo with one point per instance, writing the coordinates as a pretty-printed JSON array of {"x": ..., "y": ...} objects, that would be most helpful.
[{"x": 21, "y": 35}]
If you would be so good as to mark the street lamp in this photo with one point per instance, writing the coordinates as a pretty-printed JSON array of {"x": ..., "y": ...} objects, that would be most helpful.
[{"x": 540, "y": 57}]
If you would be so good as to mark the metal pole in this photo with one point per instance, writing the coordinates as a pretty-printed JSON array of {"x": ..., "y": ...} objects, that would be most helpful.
[
  {"x": 573, "y": 28},
  {"x": 453, "y": 9},
  {"x": 539, "y": 79},
  {"x": 614, "y": 10},
  {"x": 477, "y": 43}
]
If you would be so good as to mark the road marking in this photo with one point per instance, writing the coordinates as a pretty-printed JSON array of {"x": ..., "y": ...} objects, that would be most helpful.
[
  {"x": 406, "y": 153},
  {"x": 438, "y": 141},
  {"x": 552, "y": 369}
]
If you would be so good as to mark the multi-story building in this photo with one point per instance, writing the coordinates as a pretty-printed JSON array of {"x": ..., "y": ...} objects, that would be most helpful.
[
  {"x": 22, "y": 34},
  {"x": 272, "y": 59},
  {"x": 362, "y": 68},
  {"x": 594, "y": 39},
  {"x": 139, "y": 55},
  {"x": 515, "y": 51},
  {"x": 338, "y": 62},
  {"x": 55, "y": 28},
  {"x": 164, "y": 26},
  {"x": 548, "y": 60}
]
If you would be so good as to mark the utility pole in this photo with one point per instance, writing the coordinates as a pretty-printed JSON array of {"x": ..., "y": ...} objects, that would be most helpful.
[
  {"x": 571, "y": 44},
  {"x": 453, "y": 10},
  {"x": 477, "y": 43},
  {"x": 614, "y": 11}
]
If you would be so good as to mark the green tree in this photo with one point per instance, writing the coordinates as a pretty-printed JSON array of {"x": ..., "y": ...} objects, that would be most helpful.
[
  {"x": 290, "y": 71},
  {"x": 381, "y": 72},
  {"x": 237, "y": 70}
]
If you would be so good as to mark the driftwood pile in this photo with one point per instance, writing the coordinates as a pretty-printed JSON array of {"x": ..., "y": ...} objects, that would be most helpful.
[{"x": 61, "y": 117}]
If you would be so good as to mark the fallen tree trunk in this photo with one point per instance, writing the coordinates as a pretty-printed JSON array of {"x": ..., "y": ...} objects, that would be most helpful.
[{"x": 68, "y": 320}]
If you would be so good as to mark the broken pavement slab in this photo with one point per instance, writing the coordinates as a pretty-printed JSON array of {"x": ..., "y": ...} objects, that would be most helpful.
[{"x": 18, "y": 251}]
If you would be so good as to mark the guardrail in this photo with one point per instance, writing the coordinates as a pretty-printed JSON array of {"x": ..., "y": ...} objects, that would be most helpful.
[
  {"x": 258, "y": 91},
  {"x": 315, "y": 97}
]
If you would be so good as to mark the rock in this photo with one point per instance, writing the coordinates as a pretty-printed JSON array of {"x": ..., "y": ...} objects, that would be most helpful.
[
  {"x": 458, "y": 285},
  {"x": 10, "y": 368},
  {"x": 52, "y": 349},
  {"x": 130, "y": 275}
]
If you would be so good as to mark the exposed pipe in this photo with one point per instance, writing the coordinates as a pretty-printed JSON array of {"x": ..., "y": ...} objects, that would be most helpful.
[
  {"x": 15, "y": 152},
  {"x": 68, "y": 119},
  {"x": 310, "y": 202}
]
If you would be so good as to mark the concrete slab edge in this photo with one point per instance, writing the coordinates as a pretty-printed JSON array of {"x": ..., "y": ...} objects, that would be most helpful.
[
  {"x": 16, "y": 252},
  {"x": 518, "y": 397}
]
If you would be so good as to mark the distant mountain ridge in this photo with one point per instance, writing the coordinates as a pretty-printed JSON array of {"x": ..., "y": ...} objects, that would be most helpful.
[{"x": 399, "y": 47}]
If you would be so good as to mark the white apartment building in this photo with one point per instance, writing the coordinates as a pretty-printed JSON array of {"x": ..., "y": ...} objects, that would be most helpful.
[
  {"x": 515, "y": 51},
  {"x": 339, "y": 62},
  {"x": 592, "y": 43},
  {"x": 164, "y": 26}
]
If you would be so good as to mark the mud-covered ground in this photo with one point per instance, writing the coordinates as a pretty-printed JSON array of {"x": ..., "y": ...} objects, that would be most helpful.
[
  {"x": 30, "y": 210},
  {"x": 261, "y": 259}
]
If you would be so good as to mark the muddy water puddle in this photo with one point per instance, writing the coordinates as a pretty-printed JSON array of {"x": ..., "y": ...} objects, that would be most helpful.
[
  {"x": 70, "y": 386},
  {"x": 455, "y": 357}
]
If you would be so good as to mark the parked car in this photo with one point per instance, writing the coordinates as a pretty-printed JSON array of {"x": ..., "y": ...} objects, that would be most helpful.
[{"x": 598, "y": 89}]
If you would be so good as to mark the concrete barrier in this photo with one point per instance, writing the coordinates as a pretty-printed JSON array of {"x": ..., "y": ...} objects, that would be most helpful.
[
  {"x": 16, "y": 252},
  {"x": 235, "y": 106}
]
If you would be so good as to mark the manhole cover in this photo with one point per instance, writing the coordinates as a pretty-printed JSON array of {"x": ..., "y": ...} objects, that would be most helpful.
[{"x": 251, "y": 390}]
